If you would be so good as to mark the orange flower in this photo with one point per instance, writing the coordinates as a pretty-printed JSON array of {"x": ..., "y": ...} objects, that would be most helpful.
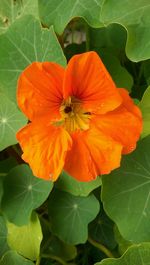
[{"x": 80, "y": 121}]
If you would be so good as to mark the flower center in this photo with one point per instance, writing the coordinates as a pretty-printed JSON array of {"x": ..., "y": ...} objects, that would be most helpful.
[{"x": 74, "y": 117}]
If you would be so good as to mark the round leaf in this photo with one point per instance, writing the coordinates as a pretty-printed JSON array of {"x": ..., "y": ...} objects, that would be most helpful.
[
  {"x": 11, "y": 120},
  {"x": 22, "y": 193},
  {"x": 70, "y": 215},
  {"x": 26, "y": 239},
  {"x": 23, "y": 43},
  {"x": 126, "y": 194}
]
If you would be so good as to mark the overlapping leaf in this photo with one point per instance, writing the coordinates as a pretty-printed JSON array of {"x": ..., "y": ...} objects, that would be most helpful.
[
  {"x": 145, "y": 107},
  {"x": 3, "y": 237},
  {"x": 70, "y": 215},
  {"x": 25, "y": 42},
  {"x": 134, "y": 16},
  {"x": 135, "y": 255},
  {"x": 11, "y": 257},
  {"x": 11, "y": 120},
  {"x": 77, "y": 188},
  {"x": 22, "y": 193},
  {"x": 26, "y": 239},
  {"x": 126, "y": 194},
  {"x": 60, "y": 12}
]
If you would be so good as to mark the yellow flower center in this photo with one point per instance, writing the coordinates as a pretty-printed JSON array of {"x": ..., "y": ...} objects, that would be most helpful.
[{"x": 73, "y": 116}]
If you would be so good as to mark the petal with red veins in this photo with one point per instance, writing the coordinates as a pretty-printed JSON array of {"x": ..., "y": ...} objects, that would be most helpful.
[
  {"x": 92, "y": 154},
  {"x": 87, "y": 79},
  {"x": 124, "y": 124},
  {"x": 44, "y": 148},
  {"x": 40, "y": 90}
]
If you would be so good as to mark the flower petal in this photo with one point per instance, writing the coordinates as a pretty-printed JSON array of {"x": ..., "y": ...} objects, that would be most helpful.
[
  {"x": 124, "y": 124},
  {"x": 40, "y": 89},
  {"x": 44, "y": 148},
  {"x": 87, "y": 79},
  {"x": 92, "y": 154}
]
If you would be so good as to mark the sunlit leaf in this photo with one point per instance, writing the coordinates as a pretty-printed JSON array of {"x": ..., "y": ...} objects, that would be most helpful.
[
  {"x": 23, "y": 43},
  {"x": 3, "y": 237},
  {"x": 145, "y": 107},
  {"x": 77, "y": 188},
  {"x": 26, "y": 239},
  {"x": 22, "y": 193},
  {"x": 70, "y": 215},
  {"x": 12, "y": 258},
  {"x": 11, "y": 120},
  {"x": 126, "y": 194},
  {"x": 135, "y": 255}
]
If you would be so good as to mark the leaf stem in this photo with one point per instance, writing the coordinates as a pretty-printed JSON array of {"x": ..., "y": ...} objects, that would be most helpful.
[
  {"x": 87, "y": 38},
  {"x": 38, "y": 261},
  {"x": 48, "y": 256},
  {"x": 101, "y": 247}
]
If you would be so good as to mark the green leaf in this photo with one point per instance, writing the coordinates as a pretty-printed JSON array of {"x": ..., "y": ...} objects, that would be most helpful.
[
  {"x": 11, "y": 120},
  {"x": 134, "y": 17},
  {"x": 3, "y": 237},
  {"x": 145, "y": 108},
  {"x": 119, "y": 74},
  {"x": 10, "y": 10},
  {"x": 135, "y": 255},
  {"x": 77, "y": 188},
  {"x": 23, "y": 43},
  {"x": 22, "y": 193},
  {"x": 61, "y": 12},
  {"x": 123, "y": 244},
  {"x": 102, "y": 230},
  {"x": 12, "y": 258},
  {"x": 70, "y": 215},
  {"x": 26, "y": 239},
  {"x": 126, "y": 194},
  {"x": 60, "y": 249},
  {"x": 112, "y": 38}
]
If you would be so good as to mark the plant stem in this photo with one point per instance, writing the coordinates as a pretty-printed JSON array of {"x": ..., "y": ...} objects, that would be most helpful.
[
  {"x": 101, "y": 247},
  {"x": 38, "y": 261},
  {"x": 48, "y": 256}
]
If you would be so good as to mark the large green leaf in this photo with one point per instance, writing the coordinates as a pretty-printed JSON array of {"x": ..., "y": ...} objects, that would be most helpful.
[
  {"x": 70, "y": 215},
  {"x": 134, "y": 16},
  {"x": 77, "y": 188},
  {"x": 12, "y": 258},
  {"x": 25, "y": 42},
  {"x": 126, "y": 194},
  {"x": 11, "y": 120},
  {"x": 3, "y": 237},
  {"x": 26, "y": 239},
  {"x": 135, "y": 255},
  {"x": 60, "y": 12},
  {"x": 10, "y": 10},
  {"x": 145, "y": 107},
  {"x": 22, "y": 193}
]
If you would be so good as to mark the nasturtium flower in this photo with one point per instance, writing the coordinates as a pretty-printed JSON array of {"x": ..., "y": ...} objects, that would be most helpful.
[{"x": 79, "y": 120}]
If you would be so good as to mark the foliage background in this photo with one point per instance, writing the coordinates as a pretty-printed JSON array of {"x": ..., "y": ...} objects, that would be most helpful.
[{"x": 104, "y": 222}]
